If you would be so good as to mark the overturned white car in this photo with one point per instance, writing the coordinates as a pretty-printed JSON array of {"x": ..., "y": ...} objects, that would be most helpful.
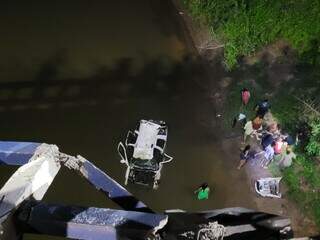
[
  {"x": 143, "y": 153},
  {"x": 268, "y": 187}
]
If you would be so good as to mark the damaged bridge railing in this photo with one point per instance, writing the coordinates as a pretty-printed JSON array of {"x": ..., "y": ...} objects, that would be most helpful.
[
  {"x": 40, "y": 164},
  {"x": 21, "y": 209}
]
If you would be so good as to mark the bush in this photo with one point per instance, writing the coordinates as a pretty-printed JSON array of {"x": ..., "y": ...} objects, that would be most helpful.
[
  {"x": 313, "y": 146},
  {"x": 246, "y": 26}
]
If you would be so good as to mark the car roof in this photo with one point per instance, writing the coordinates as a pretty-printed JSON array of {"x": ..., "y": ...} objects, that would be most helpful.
[{"x": 146, "y": 140}]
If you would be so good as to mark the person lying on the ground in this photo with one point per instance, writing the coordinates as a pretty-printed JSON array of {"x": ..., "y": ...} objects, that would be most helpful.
[
  {"x": 203, "y": 192},
  {"x": 286, "y": 158},
  {"x": 262, "y": 108},
  {"x": 244, "y": 156}
]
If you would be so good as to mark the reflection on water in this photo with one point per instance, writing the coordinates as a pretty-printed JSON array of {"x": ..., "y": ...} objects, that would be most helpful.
[
  {"x": 80, "y": 74},
  {"x": 80, "y": 36}
]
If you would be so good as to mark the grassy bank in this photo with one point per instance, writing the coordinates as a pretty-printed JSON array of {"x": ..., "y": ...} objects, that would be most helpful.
[
  {"x": 303, "y": 177},
  {"x": 245, "y": 26}
]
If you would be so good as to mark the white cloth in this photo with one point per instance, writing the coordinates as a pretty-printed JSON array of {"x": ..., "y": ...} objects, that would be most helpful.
[
  {"x": 241, "y": 116},
  {"x": 146, "y": 141}
]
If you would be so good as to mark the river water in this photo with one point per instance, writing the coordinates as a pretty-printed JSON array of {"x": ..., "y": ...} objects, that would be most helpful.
[{"x": 92, "y": 70}]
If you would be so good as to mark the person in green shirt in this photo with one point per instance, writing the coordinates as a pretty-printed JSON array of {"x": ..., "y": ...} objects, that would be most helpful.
[{"x": 203, "y": 192}]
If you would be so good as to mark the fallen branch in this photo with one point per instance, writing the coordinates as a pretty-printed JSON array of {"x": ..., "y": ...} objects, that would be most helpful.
[
  {"x": 313, "y": 109},
  {"x": 210, "y": 48}
]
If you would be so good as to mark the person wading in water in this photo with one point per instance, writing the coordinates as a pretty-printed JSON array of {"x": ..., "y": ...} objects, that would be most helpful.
[{"x": 203, "y": 192}]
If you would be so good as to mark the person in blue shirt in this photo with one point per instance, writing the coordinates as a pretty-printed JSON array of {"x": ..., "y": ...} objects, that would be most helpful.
[{"x": 262, "y": 108}]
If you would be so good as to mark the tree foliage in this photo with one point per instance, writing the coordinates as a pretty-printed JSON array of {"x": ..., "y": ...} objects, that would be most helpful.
[
  {"x": 247, "y": 25},
  {"x": 313, "y": 146}
]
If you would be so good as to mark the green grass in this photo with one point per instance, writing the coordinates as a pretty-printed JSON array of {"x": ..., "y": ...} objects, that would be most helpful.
[
  {"x": 257, "y": 91},
  {"x": 303, "y": 181},
  {"x": 246, "y": 26}
]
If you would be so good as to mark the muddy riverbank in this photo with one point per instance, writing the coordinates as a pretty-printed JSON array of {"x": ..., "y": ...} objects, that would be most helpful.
[{"x": 211, "y": 51}]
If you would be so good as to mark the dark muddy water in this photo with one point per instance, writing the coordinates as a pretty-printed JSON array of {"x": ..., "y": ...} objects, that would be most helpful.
[{"x": 82, "y": 73}]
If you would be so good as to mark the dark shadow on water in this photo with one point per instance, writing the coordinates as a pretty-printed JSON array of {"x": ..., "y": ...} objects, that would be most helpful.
[{"x": 156, "y": 79}]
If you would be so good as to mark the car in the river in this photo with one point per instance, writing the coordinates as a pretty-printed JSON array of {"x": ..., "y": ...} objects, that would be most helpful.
[{"x": 144, "y": 153}]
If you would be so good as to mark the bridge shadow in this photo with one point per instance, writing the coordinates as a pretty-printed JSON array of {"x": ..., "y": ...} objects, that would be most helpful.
[{"x": 157, "y": 78}]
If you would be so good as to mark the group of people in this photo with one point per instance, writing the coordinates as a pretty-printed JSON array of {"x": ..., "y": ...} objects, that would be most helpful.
[{"x": 274, "y": 143}]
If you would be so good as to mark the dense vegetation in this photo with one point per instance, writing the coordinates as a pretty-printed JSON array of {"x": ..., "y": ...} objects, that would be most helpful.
[
  {"x": 303, "y": 178},
  {"x": 245, "y": 26}
]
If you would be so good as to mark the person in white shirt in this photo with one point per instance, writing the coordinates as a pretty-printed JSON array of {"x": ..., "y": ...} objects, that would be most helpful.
[
  {"x": 286, "y": 158},
  {"x": 248, "y": 130}
]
